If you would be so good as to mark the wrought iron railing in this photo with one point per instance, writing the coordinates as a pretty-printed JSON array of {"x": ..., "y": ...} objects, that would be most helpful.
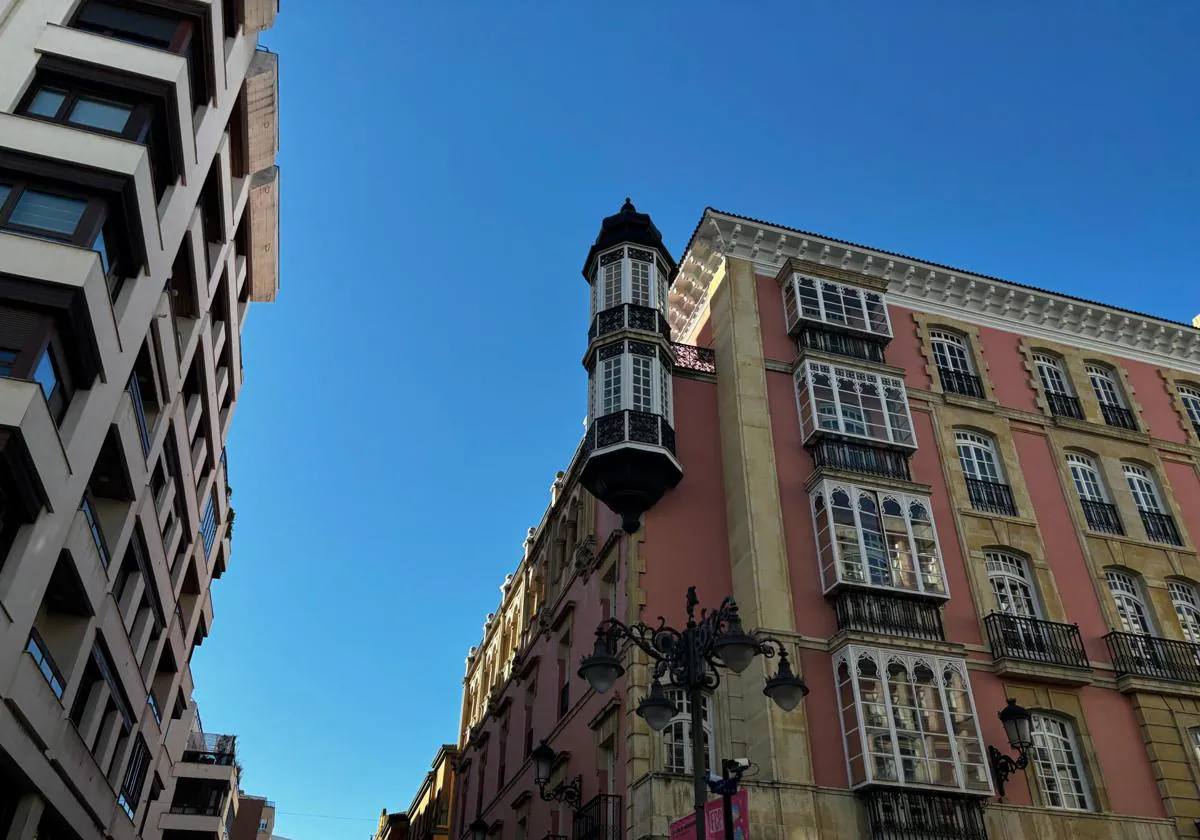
[
  {"x": 600, "y": 818},
  {"x": 690, "y": 357},
  {"x": 1101, "y": 516},
  {"x": 205, "y": 748},
  {"x": 1149, "y": 656},
  {"x": 1035, "y": 640},
  {"x": 629, "y": 316},
  {"x": 1115, "y": 415},
  {"x": 923, "y": 815},
  {"x": 991, "y": 496},
  {"x": 1160, "y": 527},
  {"x": 960, "y": 382},
  {"x": 1064, "y": 405},
  {"x": 139, "y": 412},
  {"x": 888, "y": 614},
  {"x": 854, "y": 346},
  {"x": 857, "y": 457},
  {"x": 637, "y": 426}
]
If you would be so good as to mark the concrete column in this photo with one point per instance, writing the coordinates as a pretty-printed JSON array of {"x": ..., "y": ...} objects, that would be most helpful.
[
  {"x": 135, "y": 587},
  {"x": 93, "y": 712},
  {"x": 26, "y": 818},
  {"x": 776, "y": 741},
  {"x": 110, "y": 734}
]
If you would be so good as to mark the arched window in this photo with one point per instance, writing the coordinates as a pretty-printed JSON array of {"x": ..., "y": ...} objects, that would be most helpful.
[
  {"x": 1087, "y": 479},
  {"x": 1187, "y": 608},
  {"x": 1012, "y": 584},
  {"x": 1053, "y": 375},
  {"x": 977, "y": 454},
  {"x": 1143, "y": 488},
  {"x": 1131, "y": 605},
  {"x": 950, "y": 352},
  {"x": 677, "y": 737},
  {"x": 1057, "y": 764},
  {"x": 1104, "y": 383},
  {"x": 1190, "y": 396}
]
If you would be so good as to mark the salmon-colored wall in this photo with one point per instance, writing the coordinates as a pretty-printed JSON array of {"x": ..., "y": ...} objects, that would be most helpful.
[
  {"x": 824, "y": 719},
  {"x": 1158, "y": 406},
  {"x": 904, "y": 350},
  {"x": 777, "y": 344},
  {"x": 1185, "y": 485}
]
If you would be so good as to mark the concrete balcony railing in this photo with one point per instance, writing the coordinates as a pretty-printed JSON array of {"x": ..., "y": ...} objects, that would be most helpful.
[{"x": 30, "y": 448}]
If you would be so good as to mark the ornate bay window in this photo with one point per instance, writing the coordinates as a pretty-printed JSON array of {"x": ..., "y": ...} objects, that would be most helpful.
[
  {"x": 909, "y": 720},
  {"x": 876, "y": 538},
  {"x": 827, "y": 304},
  {"x": 852, "y": 402},
  {"x": 629, "y": 291}
]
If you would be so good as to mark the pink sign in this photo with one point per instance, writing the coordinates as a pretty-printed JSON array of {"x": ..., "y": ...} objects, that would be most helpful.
[{"x": 684, "y": 828}]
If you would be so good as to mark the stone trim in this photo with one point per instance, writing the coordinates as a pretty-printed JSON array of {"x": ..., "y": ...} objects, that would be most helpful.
[
  {"x": 970, "y": 333},
  {"x": 1164, "y": 722},
  {"x": 1171, "y": 383}
]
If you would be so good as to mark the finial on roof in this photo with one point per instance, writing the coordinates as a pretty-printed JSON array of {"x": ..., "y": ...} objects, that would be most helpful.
[{"x": 628, "y": 207}]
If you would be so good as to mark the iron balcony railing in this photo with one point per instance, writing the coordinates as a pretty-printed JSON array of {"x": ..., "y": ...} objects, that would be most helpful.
[
  {"x": 206, "y": 748},
  {"x": 628, "y": 425},
  {"x": 1149, "y": 656},
  {"x": 1101, "y": 516},
  {"x": 690, "y": 357},
  {"x": 600, "y": 818},
  {"x": 1160, "y": 527},
  {"x": 923, "y": 815},
  {"x": 1035, "y": 640},
  {"x": 959, "y": 382},
  {"x": 139, "y": 412},
  {"x": 857, "y": 457},
  {"x": 1064, "y": 405},
  {"x": 629, "y": 316},
  {"x": 991, "y": 496},
  {"x": 888, "y": 614},
  {"x": 856, "y": 347},
  {"x": 1115, "y": 415}
]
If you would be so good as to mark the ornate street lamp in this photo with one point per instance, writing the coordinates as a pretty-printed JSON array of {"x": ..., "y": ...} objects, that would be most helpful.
[
  {"x": 569, "y": 793},
  {"x": 691, "y": 659},
  {"x": 479, "y": 829},
  {"x": 1018, "y": 725}
]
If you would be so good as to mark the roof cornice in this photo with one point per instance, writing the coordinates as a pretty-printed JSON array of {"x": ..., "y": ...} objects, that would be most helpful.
[{"x": 927, "y": 287}]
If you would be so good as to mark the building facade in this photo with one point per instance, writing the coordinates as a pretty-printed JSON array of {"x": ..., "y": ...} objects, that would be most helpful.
[
  {"x": 428, "y": 816},
  {"x": 941, "y": 489},
  {"x": 138, "y": 220}
]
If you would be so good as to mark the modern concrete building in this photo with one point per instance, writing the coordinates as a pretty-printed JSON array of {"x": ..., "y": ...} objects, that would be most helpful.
[
  {"x": 138, "y": 220},
  {"x": 940, "y": 489}
]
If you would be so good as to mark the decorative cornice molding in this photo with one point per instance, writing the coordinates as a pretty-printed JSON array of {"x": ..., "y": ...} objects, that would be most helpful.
[{"x": 927, "y": 287}]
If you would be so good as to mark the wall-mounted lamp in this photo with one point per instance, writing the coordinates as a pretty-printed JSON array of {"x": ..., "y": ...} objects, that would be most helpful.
[
  {"x": 569, "y": 793},
  {"x": 1018, "y": 726}
]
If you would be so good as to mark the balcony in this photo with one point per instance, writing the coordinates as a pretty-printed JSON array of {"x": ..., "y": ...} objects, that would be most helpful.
[
  {"x": 139, "y": 413},
  {"x": 1118, "y": 416},
  {"x": 630, "y": 426},
  {"x": 263, "y": 213},
  {"x": 600, "y": 819},
  {"x": 889, "y": 615},
  {"x": 629, "y": 316},
  {"x": 1101, "y": 516},
  {"x": 1030, "y": 639},
  {"x": 1064, "y": 405},
  {"x": 860, "y": 457},
  {"x": 32, "y": 460},
  {"x": 690, "y": 357},
  {"x": 206, "y": 748},
  {"x": 960, "y": 382},
  {"x": 842, "y": 344},
  {"x": 923, "y": 815},
  {"x": 1160, "y": 527},
  {"x": 1135, "y": 655},
  {"x": 991, "y": 497}
]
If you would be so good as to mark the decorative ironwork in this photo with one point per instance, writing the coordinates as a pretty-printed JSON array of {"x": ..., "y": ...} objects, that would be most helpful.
[
  {"x": 668, "y": 437},
  {"x": 612, "y": 256},
  {"x": 690, "y": 357},
  {"x": 639, "y": 254},
  {"x": 892, "y": 615},
  {"x": 923, "y": 815},
  {"x": 959, "y": 382},
  {"x": 1062, "y": 405},
  {"x": 991, "y": 496},
  {"x": 641, "y": 318},
  {"x": 1118, "y": 416},
  {"x": 860, "y": 457},
  {"x": 600, "y": 819},
  {"x": 643, "y": 348},
  {"x": 1150, "y": 656},
  {"x": 643, "y": 427},
  {"x": 611, "y": 351},
  {"x": 610, "y": 429},
  {"x": 854, "y": 346},
  {"x": 1160, "y": 527},
  {"x": 1101, "y": 516},
  {"x": 636, "y": 426},
  {"x": 1035, "y": 640},
  {"x": 629, "y": 316}
]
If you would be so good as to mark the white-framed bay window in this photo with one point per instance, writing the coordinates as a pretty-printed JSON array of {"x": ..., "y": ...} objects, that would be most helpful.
[
  {"x": 860, "y": 403},
  {"x": 876, "y": 538},
  {"x": 834, "y": 304},
  {"x": 630, "y": 275},
  {"x": 909, "y": 719},
  {"x": 631, "y": 376}
]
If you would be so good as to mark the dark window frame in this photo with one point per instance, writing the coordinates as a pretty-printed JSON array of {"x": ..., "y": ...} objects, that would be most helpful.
[
  {"x": 45, "y": 340},
  {"x": 137, "y": 126}
]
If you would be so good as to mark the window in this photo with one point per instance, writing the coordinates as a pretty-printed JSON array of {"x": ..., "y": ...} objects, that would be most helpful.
[
  {"x": 208, "y": 524},
  {"x": 1190, "y": 396},
  {"x": 977, "y": 454},
  {"x": 1187, "y": 608},
  {"x": 649, "y": 379},
  {"x": 42, "y": 211},
  {"x": 648, "y": 283},
  {"x": 677, "y": 737},
  {"x": 47, "y": 213},
  {"x": 135, "y": 777},
  {"x": 909, "y": 720},
  {"x": 37, "y": 649},
  {"x": 950, "y": 352},
  {"x": 1160, "y": 525},
  {"x": 1131, "y": 607},
  {"x": 809, "y": 299},
  {"x": 853, "y": 402},
  {"x": 876, "y": 538},
  {"x": 1086, "y": 477},
  {"x": 610, "y": 388},
  {"x": 140, "y": 27},
  {"x": 80, "y": 109},
  {"x": 1056, "y": 764},
  {"x": 93, "y": 523},
  {"x": 1194, "y": 737},
  {"x": 1108, "y": 395},
  {"x": 643, "y": 399},
  {"x": 1050, "y": 371},
  {"x": 262, "y": 825},
  {"x": 8, "y": 359},
  {"x": 639, "y": 282},
  {"x": 1012, "y": 584}
]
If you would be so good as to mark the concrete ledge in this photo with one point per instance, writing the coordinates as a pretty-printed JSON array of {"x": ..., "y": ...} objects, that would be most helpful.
[
  {"x": 257, "y": 15},
  {"x": 1043, "y": 672},
  {"x": 262, "y": 111},
  {"x": 25, "y": 423},
  {"x": 264, "y": 235}
]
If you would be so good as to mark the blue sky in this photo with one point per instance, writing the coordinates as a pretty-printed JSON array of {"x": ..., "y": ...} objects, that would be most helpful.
[{"x": 445, "y": 168}]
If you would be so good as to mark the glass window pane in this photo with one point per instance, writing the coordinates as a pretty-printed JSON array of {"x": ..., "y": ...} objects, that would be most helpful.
[
  {"x": 46, "y": 102},
  {"x": 5, "y": 189},
  {"x": 101, "y": 248},
  {"x": 55, "y": 213},
  {"x": 95, "y": 113},
  {"x": 45, "y": 375}
]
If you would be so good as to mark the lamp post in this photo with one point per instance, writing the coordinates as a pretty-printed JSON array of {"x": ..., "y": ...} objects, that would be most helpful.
[
  {"x": 691, "y": 660},
  {"x": 1018, "y": 725},
  {"x": 569, "y": 793}
]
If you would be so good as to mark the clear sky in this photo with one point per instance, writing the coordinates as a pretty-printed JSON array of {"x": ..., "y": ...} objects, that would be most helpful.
[{"x": 445, "y": 167}]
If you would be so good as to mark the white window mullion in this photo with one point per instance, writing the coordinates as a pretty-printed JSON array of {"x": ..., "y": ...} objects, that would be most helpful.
[
  {"x": 626, "y": 278},
  {"x": 940, "y": 678},
  {"x": 885, "y": 680},
  {"x": 868, "y": 765}
]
